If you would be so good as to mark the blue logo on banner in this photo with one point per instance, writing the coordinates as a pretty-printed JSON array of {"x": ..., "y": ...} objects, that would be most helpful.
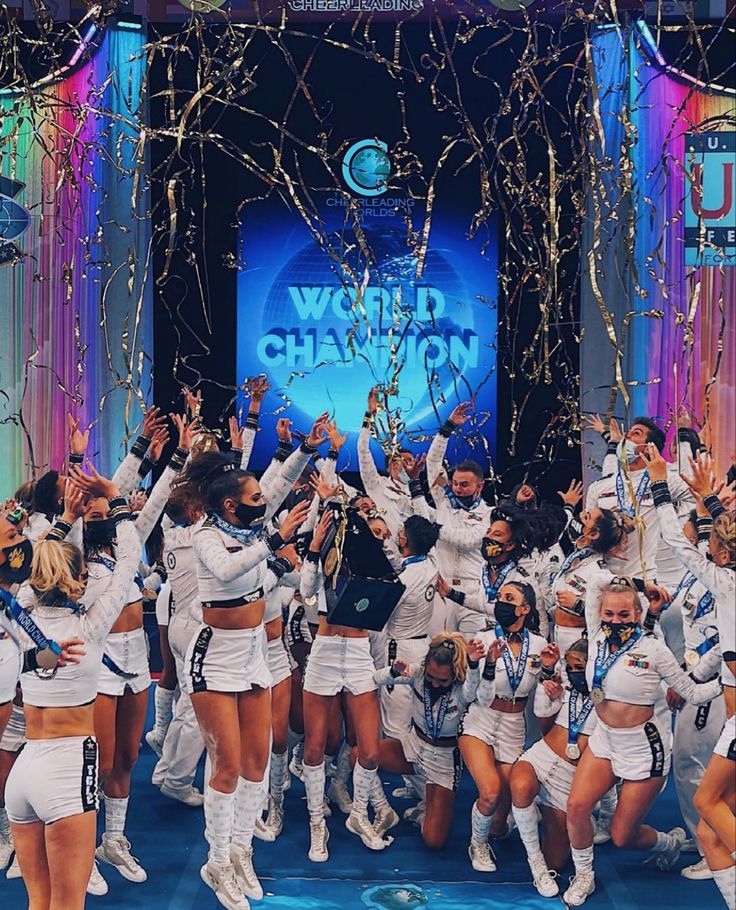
[
  {"x": 14, "y": 219},
  {"x": 710, "y": 199},
  {"x": 366, "y": 167}
]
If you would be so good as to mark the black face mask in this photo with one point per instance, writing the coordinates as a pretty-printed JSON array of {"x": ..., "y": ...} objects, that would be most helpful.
[
  {"x": 505, "y": 614},
  {"x": 490, "y": 548},
  {"x": 16, "y": 567},
  {"x": 466, "y": 501},
  {"x": 100, "y": 533},
  {"x": 436, "y": 692},
  {"x": 249, "y": 515},
  {"x": 618, "y": 633},
  {"x": 578, "y": 681}
]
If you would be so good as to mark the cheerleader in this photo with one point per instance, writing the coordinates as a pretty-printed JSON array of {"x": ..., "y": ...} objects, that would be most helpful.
[
  {"x": 603, "y": 532},
  {"x": 124, "y": 680},
  {"x": 227, "y": 675},
  {"x": 51, "y": 794},
  {"x": 340, "y": 661},
  {"x": 716, "y": 796},
  {"x": 492, "y": 733},
  {"x": 625, "y": 670},
  {"x": 442, "y": 686},
  {"x": 546, "y": 770}
]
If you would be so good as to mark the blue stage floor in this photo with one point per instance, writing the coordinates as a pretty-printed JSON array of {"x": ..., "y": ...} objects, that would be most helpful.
[{"x": 167, "y": 838}]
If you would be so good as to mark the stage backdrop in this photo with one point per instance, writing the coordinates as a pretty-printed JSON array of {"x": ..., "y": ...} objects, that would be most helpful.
[
  {"x": 74, "y": 248},
  {"x": 327, "y": 324},
  {"x": 659, "y": 295}
]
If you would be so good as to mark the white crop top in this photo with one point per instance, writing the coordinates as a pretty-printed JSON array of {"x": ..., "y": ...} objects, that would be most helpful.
[
  {"x": 76, "y": 684},
  {"x": 499, "y": 686},
  {"x": 178, "y": 558},
  {"x": 459, "y": 698},
  {"x": 544, "y": 706},
  {"x": 635, "y": 678}
]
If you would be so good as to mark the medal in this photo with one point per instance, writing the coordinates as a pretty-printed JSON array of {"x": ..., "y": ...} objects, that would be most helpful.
[
  {"x": 597, "y": 696},
  {"x": 311, "y": 601},
  {"x": 47, "y": 659},
  {"x": 576, "y": 721},
  {"x": 572, "y": 751},
  {"x": 692, "y": 658},
  {"x": 331, "y": 561}
]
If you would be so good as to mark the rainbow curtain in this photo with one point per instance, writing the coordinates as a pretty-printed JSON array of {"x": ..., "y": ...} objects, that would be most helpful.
[
  {"x": 75, "y": 302},
  {"x": 672, "y": 320}
]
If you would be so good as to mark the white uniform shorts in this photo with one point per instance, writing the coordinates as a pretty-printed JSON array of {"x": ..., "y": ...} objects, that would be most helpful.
[
  {"x": 278, "y": 661},
  {"x": 336, "y": 664},
  {"x": 53, "y": 779},
  {"x": 129, "y": 650},
  {"x": 11, "y": 663},
  {"x": 164, "y": 604},
  {"x": 565, "y": 637},
  {"x": 726, "y": 745},
  {"x": 397, "y": 702},
  {"x": 505, "y": 733},
  {"x": 635, "y": 753},
  {"x": 15, "y": 731},
  {"x": 227, "y": 660},
  {"x": 555, "y": 775},
  {"x": 438, "y": 765}
]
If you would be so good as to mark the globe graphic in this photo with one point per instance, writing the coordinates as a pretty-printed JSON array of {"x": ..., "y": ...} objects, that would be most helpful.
[
  {"x": 342, "y": 380},
  {"x": 370, "y": 168}
]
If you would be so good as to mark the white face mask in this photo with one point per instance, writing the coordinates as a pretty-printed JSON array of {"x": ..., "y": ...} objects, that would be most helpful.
[
  {"x": 626, "y": 451},
  {"x": 404, "y": 477}
]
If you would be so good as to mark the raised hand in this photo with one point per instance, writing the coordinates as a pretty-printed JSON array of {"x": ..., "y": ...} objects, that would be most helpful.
[
  {"x": 257, "y": 388},
  {"x": 337, "y": 441},
  {"x": 321, "y": 487},
  {"x": 594, "y": 422},
  {"x": 318, "y": 433},
  {"x": 574, "y": 493},
  {"x": 78, "y": 440},
  {"x": 401, "y": 667},
  {"x": 657, "y": 597},
  {"x": 75, "y": 501},
  {"x": 93, "y": 484},
  {"x": 617, "y": 434},
  {"x": 152, "y": 421},
  {"x": 553, "y": 688},
  {"x": 703, "y": 481},
  {"x": 415, "y": 466},
  {"x": 294, "y": 519},
  {"x": 237, "y": 433},
  {"x": 136, "y": 501},
  {"x": 159, "y": 441},
  {"x": 656, "y": 465},
  {"x": 462, "y": 413},
  {"x": 193, "y": 401},
  {"x": 321, "y": 531},
  {"x": 476, "y": 649},
  {"x": 187, "y": 431},
  {"x": 283, "y": 429},
  {"x": 496, "y": 649},
  {"x": 373, "y": 402}
]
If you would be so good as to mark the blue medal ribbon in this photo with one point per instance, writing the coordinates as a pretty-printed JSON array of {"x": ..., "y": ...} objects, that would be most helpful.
[
  {"x": 434, "y": 726},
  {"x": 23, "y": 619},
  {"x": 104, "y": 560},
  {"x": 574, "y": 558},
  {"x": 710, "y": 641},
  {"x": 243, "y": 535},
  {"x": 410, "y": 560},
  {"x": 493, "y": 589},
  {"x": 455, "y": 502},
  {"x": 575, "y": 721},
  {"x": 638, "y": 496},
  {"x": 515, "y": 676},
  {"x": 604, "y": 664}
]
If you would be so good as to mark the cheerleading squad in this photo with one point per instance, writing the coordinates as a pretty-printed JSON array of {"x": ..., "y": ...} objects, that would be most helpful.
[{"x": 544, "y": 648}]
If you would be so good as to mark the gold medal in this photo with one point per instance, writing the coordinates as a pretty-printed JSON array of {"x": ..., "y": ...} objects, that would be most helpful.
[
  {"x": 597, "y": 696},
  {"x": 572, "y": 751},
  {"x": 47, "y": 659},
  {"x": 692, "y": 658},
  {"x": 311, "y": 601},
  {"x": 331, "y": 561}
]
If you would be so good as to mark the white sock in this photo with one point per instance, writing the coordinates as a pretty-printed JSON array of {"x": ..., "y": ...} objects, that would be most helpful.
[
  {"x": 480, "y": 825},
  {"x": 115, "y": 812},
  {"x": 583, "y": 859},
  {"x": 378, "y": 796},
  {"x": 4, "y": 824},
  {"x": 298, "y": 753},
  {"x": 726, "y": 881},
  {"x": 248, "y": 806},
  {"x": 218, "y": 824},
  {"x": 526, "y": 822},
  {"x": 664, "y": 842},
  {"x": 163, "y": 700},
  {"x": 344, "y": 771},
  {"x": 362, "y": 785},
  {"x": 314, "y": 784},
  {"x": 277, "y": 777}
]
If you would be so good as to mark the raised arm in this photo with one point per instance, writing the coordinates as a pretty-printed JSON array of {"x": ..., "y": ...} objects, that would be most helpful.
[
  {"x": 680, "y": 681},
  {"x": 436, "y": 454},
  {"x": 101, "y": 615}
]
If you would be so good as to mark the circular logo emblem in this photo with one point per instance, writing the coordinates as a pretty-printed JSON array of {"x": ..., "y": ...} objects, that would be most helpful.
[
  {"x": 366, "y": 167},
  {"x": 429, "y": 593},
  {"x": 362, "y": 605},
  {"x": 171, "y": 561}
]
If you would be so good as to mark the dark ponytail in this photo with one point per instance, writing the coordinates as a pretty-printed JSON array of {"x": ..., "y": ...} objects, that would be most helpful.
[{"x": 208, "y": 479}]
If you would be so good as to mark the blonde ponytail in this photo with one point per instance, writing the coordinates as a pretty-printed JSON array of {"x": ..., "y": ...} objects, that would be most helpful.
[
  {"x": 54, "y": 571},
  {"x": 448, "y": 649}
]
